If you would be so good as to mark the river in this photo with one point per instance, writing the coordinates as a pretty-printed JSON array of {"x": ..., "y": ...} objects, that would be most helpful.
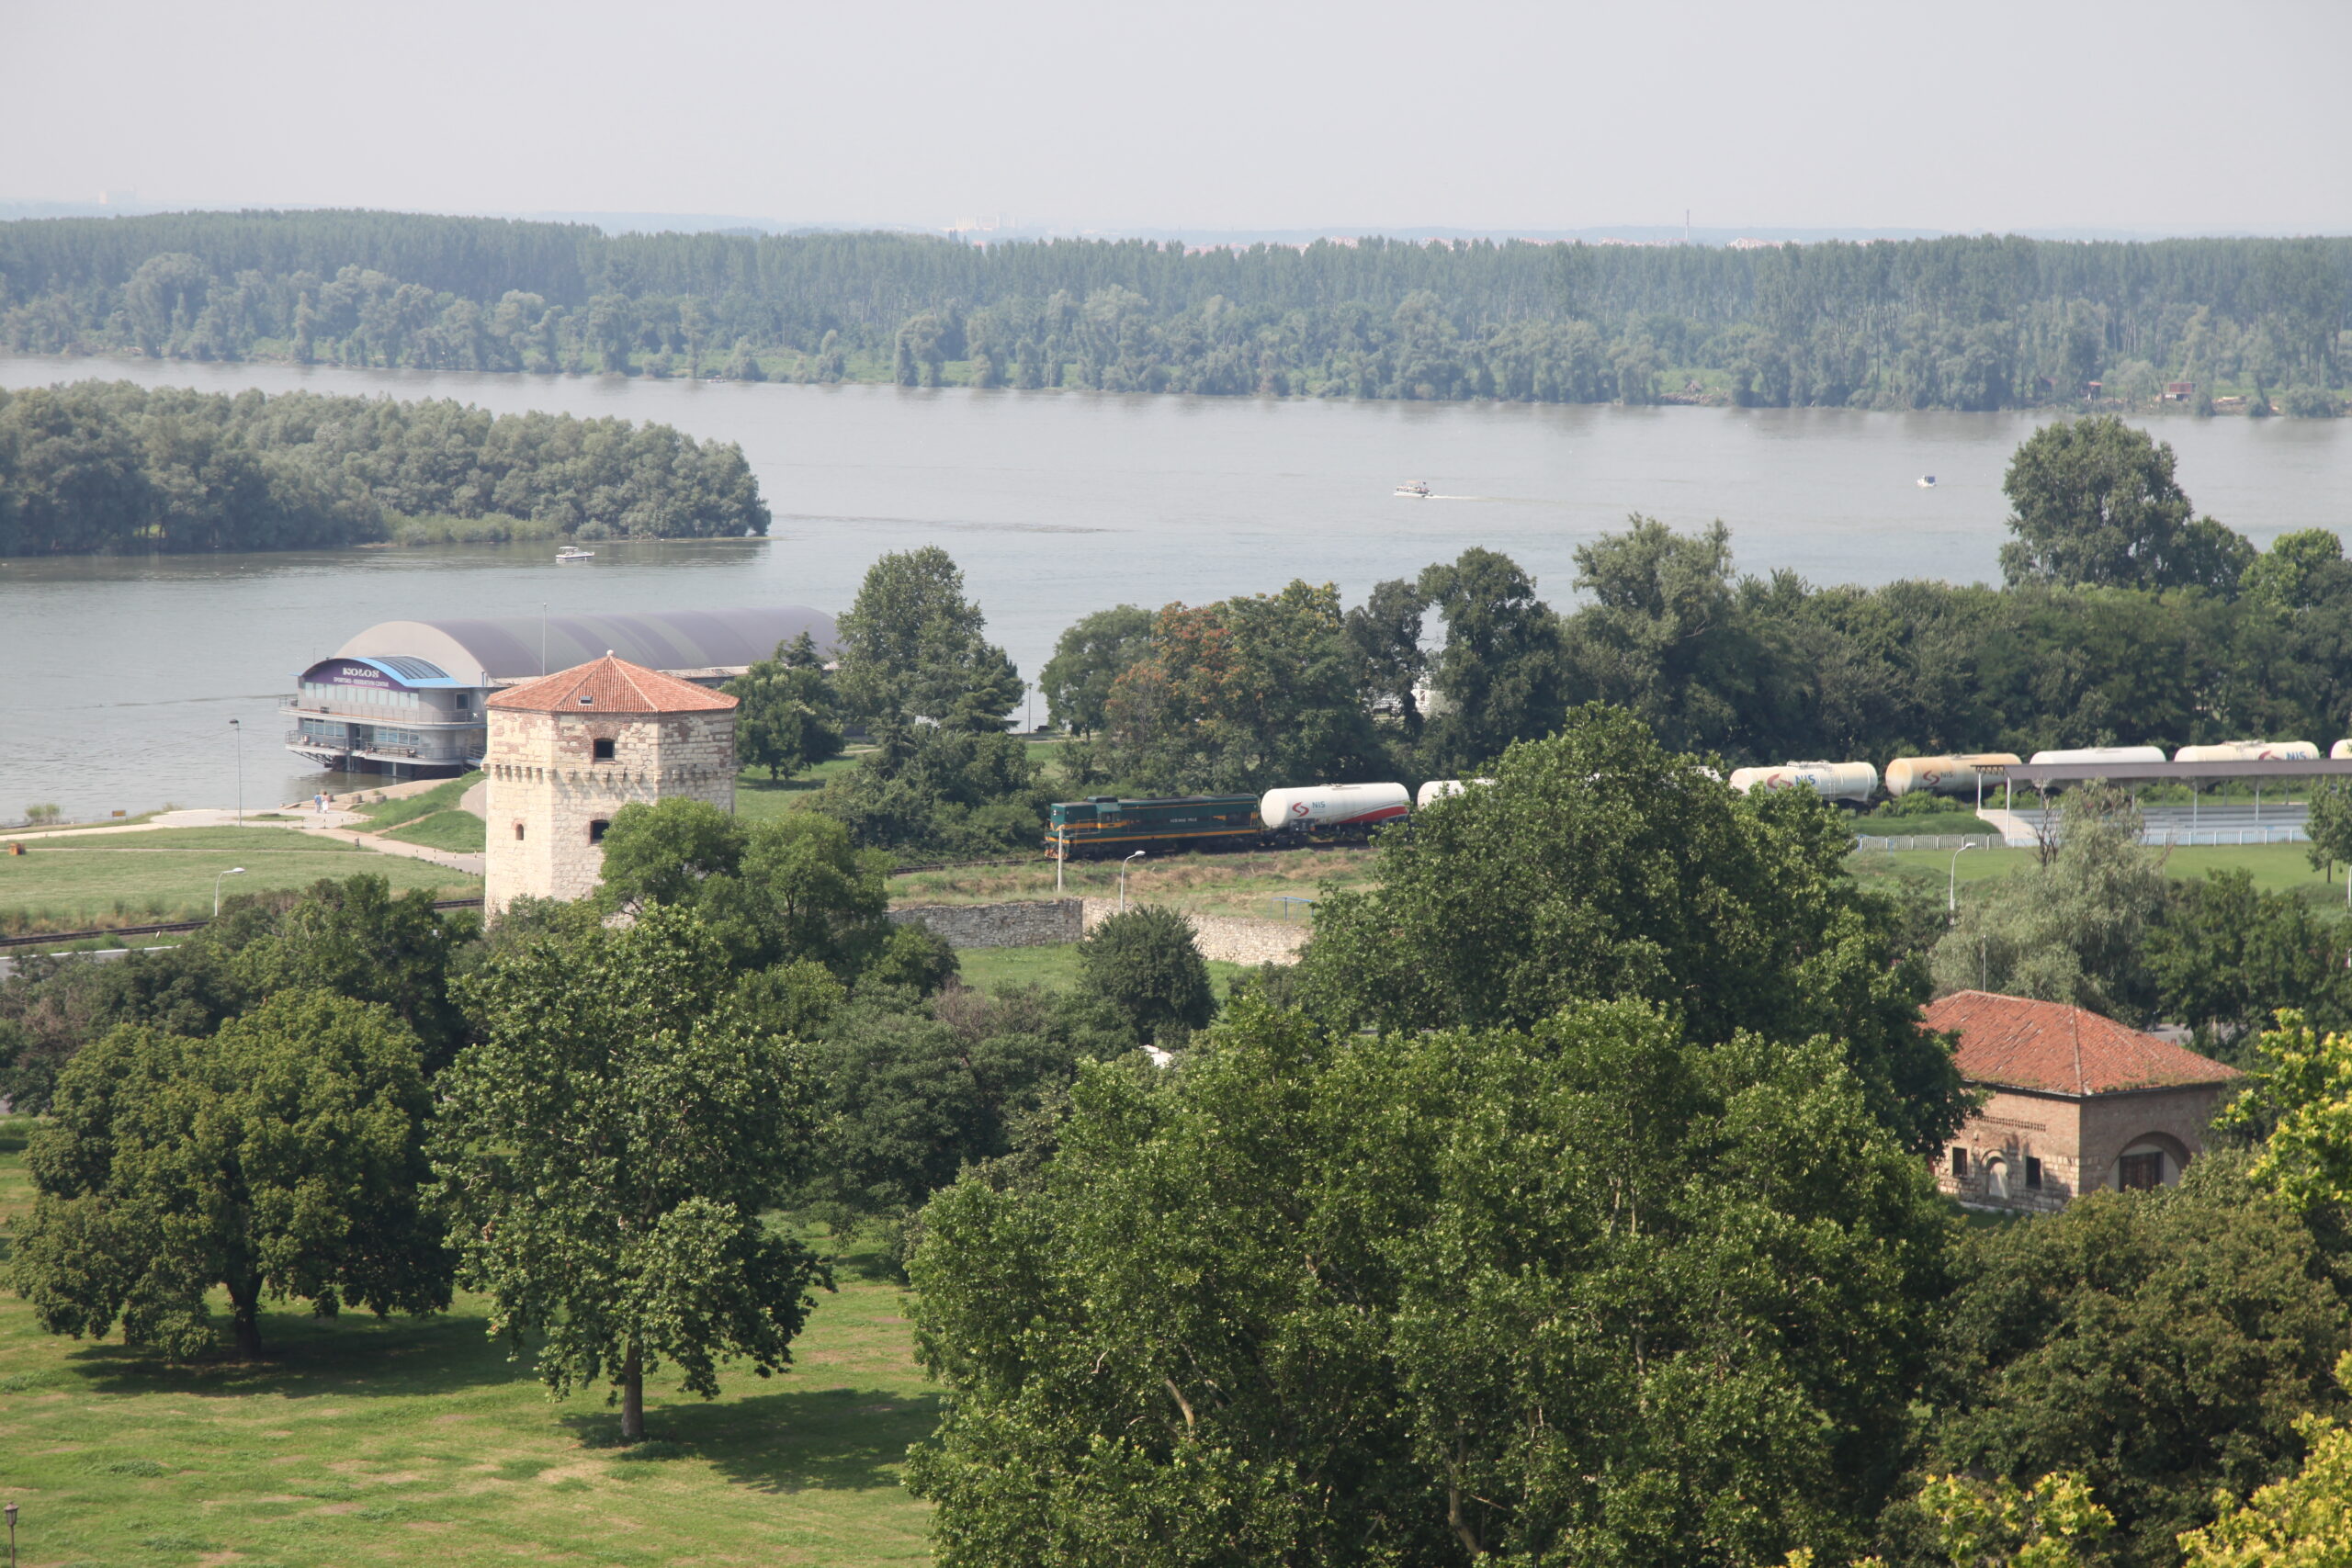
[{"x": 121, "y": 674}]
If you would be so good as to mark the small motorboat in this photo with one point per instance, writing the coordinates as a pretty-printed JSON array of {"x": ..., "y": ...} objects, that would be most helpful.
[
  {"x": 570, "y": 552},
  {"x": 1926, "y": 482},
  {"x": 1417, "y": 488}
]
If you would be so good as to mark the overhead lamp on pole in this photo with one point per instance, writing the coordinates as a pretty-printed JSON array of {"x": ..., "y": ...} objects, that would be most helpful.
[
  {"x": 1951, "y": 893},
  {"x": 233, "y": 870},
  {"x": 237, "y": 728},
  {"x": 1123, "y": 879}
]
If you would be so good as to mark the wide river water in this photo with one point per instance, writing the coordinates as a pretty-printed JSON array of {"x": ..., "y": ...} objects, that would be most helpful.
[{"x": 119, "y": 676}]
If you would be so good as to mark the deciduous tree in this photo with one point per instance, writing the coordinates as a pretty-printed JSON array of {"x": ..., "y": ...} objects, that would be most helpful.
[
  {"x": 1599, "y": 864},
  {"x": 605, "y": 1153},
  {"x": 281, "y": 1157},
  {"x": 1320, "y": 1301}
]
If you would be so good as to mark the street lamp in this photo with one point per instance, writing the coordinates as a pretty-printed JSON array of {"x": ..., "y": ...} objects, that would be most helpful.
[
  {"x": 1123, "y": 880},
  {"x": 1951, "y": 894},
  {"x": 239, "y": 729},
  {"x": 233, "y": 870}
]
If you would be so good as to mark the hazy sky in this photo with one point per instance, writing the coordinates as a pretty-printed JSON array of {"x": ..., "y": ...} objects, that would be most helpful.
[{"x": 2131, "y": 114}]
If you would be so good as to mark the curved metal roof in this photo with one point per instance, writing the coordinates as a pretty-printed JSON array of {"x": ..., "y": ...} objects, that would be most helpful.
[{"x": 509, "y": 648}]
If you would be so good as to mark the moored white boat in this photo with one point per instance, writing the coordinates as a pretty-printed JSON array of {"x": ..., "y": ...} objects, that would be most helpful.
[{"x": 570, "y": 553}]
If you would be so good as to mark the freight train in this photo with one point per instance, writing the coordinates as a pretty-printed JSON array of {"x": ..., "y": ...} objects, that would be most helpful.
[
  {"x": 1106, "y": 825},
  {"x": 1281, "y": 818}
]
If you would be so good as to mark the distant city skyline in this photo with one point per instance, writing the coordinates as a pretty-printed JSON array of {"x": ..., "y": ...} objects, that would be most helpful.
[{"x": 2139, "y": 117}]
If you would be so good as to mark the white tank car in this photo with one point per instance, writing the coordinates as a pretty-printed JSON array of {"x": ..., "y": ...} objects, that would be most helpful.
[
  {"x": 2250, "y": 751},
  {"x": 2103, "y": 755},
  {"x": 1851, "y": 782},
  {"x": 2341, "y": 751},
  {"x": 1946, "y": 776},
  {"x": 1326, "y": 808},
  {"x": 1438, "y": 789}
]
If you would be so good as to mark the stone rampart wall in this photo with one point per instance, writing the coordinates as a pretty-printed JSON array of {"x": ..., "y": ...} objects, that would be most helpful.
[
  {"x": 1229, "y": 939},
  {"x": 1044, "y": 922},
  {"x": 1032, "y": 922}
]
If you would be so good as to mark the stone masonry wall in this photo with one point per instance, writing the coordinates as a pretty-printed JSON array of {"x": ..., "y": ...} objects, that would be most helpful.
[
  {"x": 1043, "y": 922},
  {"x": 1032, "y": 922},
  {"x": 1228, "y": 938}
]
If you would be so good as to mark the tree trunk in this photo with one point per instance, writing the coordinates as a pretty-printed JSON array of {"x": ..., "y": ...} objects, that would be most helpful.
[
  {"x": 633, "y": 1398},
  {"x": 245, "y": 1319}
]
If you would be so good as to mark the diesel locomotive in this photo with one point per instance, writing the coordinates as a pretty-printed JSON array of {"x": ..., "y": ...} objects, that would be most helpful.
[{"x": 1115, "y": 826}]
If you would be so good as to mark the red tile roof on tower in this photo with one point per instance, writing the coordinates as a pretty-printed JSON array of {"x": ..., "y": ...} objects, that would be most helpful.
[
  {"x": 2022, "y": 1044},
  {"x": 610, "y": 685}
]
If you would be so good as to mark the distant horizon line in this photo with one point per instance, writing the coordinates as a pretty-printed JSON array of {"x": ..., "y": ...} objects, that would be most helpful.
[{"x": 997, "y": 229}]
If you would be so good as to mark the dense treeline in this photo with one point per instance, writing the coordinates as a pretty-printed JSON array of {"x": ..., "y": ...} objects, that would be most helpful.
[
  {"x": 1964, "y": 322},
  {"x": 110, "y": 467}
]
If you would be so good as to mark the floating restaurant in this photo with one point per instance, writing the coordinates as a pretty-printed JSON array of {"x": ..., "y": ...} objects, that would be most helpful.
[{"x": 405, "y": 697}]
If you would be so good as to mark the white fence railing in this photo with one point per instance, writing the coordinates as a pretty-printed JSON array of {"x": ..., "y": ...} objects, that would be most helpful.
[
  {"x": 1929, "y": 842},
  {"x": 2154, "y": 839}
]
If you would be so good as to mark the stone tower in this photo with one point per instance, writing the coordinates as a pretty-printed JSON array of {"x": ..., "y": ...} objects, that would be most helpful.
[{"x": 567, "y": 751}]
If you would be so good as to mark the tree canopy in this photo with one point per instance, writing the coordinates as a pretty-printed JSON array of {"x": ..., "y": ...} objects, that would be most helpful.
[
  {"x": 112, "y": 467},
  {"x": 606, "y": 1152},
  {"x": 1961, "y": 321},
  {"x": 1396, "y": 1298},
  {"x": 284, "y": 1156},
  {"x": 1600, "y": 865},
  {"x": 2097, "y": 506}
]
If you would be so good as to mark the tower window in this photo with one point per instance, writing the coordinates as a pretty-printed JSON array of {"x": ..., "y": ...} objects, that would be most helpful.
[
  {"x": 601, "y": 751},
  {"x": 518, "y": 833},
  {"x": 1958, "y": 1161},
  {"x": 596, "y": 832}
]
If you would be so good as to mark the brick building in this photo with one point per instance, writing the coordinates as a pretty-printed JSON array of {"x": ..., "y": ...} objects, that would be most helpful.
[
  {"x": 567, "y": 751},
  {"x": 2073, "y": 1101}
]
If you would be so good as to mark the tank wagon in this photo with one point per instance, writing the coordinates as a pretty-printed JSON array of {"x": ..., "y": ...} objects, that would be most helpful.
[
  {"x": 1340, "y": 811},
  {"x": 2340, "y": 753},
  {"x": 2250, "y": 751},
  {"x": 1957, "y": 774},
  {"x": 1850, "y": 783},
  {"x": 2103, "y": 755},
  {"x": 1438, "y": 789}
]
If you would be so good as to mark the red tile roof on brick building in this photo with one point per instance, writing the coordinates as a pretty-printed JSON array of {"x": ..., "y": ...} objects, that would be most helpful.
[
  {"x": 2018, "y": 1043},
  {"x": 610, "y": 685}
]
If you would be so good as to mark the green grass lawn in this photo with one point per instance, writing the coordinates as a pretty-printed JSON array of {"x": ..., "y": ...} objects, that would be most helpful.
[
  {"x": 458, "y": 831},
  {"x": 1056, "y": 968},
  {"x": 167, "y": 874},
  {"x": 442, "y": 796},
  {"x": 758, "y": 795},
  {"x": 408, "y": 1440},
  {"x": 2278, "y": 868}
]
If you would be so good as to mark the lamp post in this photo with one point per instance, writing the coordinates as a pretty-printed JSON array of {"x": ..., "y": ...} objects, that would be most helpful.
[
  {"x": 233, "y": 870},
  {"x": 237, "y": 728},
  {"x": 1951, "y": 893},
  {"x": 1123, "y": 879}
]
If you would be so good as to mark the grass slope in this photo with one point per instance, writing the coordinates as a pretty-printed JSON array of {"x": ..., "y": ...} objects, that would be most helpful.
[
  {"x": 460, "y": 833},
  {"x": 359, "y": 1441},
  {"x": 442, "y": 796},
  {"x": 137, "y": 878}
]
